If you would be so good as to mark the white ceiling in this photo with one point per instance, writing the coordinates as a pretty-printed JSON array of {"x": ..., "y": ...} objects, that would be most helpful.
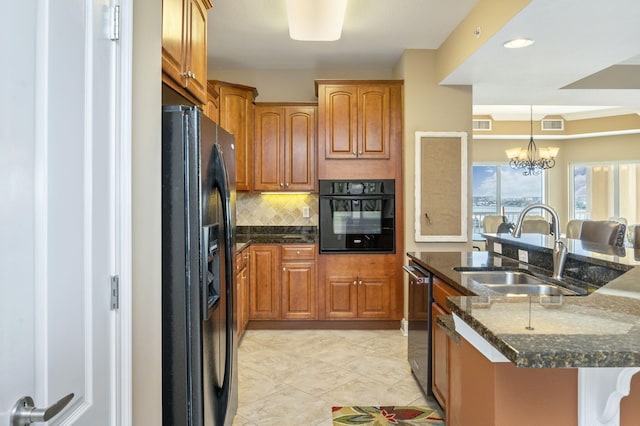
[{"x": 576, "y": 43}]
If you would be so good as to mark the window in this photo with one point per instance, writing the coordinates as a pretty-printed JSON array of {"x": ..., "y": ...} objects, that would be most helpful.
[
  {"x": 604, "y": 190},
  {"x": 499, "y": 189}
]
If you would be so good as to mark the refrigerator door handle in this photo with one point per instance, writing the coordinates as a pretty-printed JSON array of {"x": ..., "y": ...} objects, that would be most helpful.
[{"x": 221, "y": 183}]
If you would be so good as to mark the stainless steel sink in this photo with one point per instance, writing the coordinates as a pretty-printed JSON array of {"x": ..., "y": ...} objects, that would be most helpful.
[
  {"x": 529, "y": 289},
  {"x": 514, "y": 283}
]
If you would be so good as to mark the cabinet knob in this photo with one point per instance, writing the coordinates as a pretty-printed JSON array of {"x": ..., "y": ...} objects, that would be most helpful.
[
  {"x": 360, "y": 282},
  {"x": 354, "y": 152},
  {"x": 281, "y": 185},
  {"x": 298, "y": 253},
  {"x": 284, "y": 269},
  {"x": 286, "y": 184},
  {"x": 355, "y": 282},
  {"x": 359, "y": 152}
]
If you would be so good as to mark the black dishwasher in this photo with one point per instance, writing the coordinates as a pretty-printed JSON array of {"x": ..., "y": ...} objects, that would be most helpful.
[{"x": 419, "y": 329}]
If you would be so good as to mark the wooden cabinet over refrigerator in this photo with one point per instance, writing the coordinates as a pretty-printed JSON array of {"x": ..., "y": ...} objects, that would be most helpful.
[{"x": 184, "y": 48}]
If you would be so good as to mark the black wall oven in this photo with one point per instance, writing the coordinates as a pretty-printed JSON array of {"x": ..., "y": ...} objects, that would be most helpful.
[{"x": 357, "y": 216}]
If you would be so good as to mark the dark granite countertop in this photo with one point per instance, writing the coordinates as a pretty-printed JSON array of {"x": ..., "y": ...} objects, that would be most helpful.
[
  {"x": 245, "y": 235},
  {"x": 601, "y": 329}
]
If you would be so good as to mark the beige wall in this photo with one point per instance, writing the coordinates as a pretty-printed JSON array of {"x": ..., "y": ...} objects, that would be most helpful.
[
  {"x": 146, "y": 176},
  {"x": 293, "y": 85},
  {"x": 429, "y": 107},
  {"x": 579, "y": 150}
]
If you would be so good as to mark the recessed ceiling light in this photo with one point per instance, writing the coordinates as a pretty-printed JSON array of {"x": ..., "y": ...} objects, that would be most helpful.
[{"x": 517, "y": 43}]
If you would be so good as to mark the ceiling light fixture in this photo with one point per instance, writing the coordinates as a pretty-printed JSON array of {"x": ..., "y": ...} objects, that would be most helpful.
[
  {"x": 530, "y": 160},
  {"x": 316, "y": 20},
  {"x": 518, "y": 43}
]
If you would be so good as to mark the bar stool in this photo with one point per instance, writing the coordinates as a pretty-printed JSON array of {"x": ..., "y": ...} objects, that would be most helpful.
[{"x": 607, "y": 232}]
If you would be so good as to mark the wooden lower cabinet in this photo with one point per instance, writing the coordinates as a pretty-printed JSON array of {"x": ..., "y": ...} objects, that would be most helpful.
[
  {"x": 439, "y": 358},
  {"x": 264, "y": 282},
  {"x": 242, "y": 290},
  {"x": 483, "y": 393},
  {"x": 283, "y": 282},
  {"x": 299, "y": 282},
  {"x": 439, "y": 342},
  {"x": 359, "y": 287}
]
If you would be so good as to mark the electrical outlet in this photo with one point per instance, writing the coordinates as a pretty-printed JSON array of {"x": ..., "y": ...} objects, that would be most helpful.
[
  {"x": 305, "y": 211},
  {"x": 497, "y": 248},
  {"x": 523, "y": 256}
]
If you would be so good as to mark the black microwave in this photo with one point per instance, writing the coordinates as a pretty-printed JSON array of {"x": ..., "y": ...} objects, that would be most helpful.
[{"x": 357, "y": 216}]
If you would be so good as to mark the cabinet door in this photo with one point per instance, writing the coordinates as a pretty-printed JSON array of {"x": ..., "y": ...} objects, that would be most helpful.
[
  {"x": 341, "y": 297},
  {"x": 174, "y": 21},
  {"x": 373, "y": 297},
  {"x": 196, "y": 51},
  {"x": 212, "y": 107},
  {"x": 340, "y": 121},
  {"x": 300, "y": 148},
  {"x": 242, "y": 298},
  {"x": 236, "y": 117},
  {"x": 440, "y": 358},
  {"x": 268, "y": 148},
  {"x": 264, "y": 288},
  {"x": 299, "y": 290},
  {"x": 374, "y": 126}
]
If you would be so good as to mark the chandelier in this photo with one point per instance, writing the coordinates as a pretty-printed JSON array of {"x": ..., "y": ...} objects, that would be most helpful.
[{"x": 532, "y": 160}]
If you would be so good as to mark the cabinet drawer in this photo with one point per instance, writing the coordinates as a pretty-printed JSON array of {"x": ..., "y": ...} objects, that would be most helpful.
[
  {"x": 241, "y": 259},
  {"x": 441, "y": 291},
  {"x": 299, "y": 252}
]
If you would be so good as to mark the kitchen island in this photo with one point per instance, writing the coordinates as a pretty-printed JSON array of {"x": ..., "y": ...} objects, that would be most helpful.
[{"x": 569, "y": 357}]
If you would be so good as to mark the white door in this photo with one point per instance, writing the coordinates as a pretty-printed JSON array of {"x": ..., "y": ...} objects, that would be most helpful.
[{"x": 59, "y": 226}]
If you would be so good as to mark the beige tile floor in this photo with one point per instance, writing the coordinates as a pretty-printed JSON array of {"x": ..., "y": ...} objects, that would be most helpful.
[{"x": 294, "y": 377}]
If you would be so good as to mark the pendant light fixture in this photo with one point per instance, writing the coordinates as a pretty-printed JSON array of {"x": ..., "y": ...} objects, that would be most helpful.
[{"x": 531, "y": 160}]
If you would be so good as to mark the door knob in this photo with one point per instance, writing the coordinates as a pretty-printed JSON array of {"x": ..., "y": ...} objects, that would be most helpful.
[{"x": 24, "y": 412}]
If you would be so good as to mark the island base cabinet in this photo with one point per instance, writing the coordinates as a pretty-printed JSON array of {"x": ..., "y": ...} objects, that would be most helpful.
[
  {"x": 630, "y": 405},
  {"x": 482, "y": 393}
]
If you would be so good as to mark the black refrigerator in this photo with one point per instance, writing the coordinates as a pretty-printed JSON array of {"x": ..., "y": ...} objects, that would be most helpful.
[{"x": 199, "y": 332}]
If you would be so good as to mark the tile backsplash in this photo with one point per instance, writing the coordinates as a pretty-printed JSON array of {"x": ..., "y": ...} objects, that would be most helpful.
[{"x": 255, "y": 209}]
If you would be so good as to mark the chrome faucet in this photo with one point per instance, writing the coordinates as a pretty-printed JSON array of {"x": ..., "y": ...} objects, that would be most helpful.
[{"x": 559, "y": 248}]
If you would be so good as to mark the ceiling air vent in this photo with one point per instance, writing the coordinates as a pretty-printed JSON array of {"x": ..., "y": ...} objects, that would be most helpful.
[
  {"x": 482, "y": 124},
  {"x": 554, "y": 124}
]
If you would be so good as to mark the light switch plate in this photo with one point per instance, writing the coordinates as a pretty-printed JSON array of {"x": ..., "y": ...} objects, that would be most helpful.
[
  {"x": 497, "y": 248},
  {"x": 523, "y": 256}
]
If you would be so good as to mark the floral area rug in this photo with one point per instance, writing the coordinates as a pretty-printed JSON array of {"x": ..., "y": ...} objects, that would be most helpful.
[{"x": 383, "y": 416}]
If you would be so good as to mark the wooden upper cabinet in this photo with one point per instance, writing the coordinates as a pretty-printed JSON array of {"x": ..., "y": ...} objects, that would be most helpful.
[
  {"x": 196, "y": 82},
  {"x": 184, "y": 47},
  {"x": 340, "y": 121},
  {"x": 374, "y": 136},
  {"x": 285, "y": 147},
  {"x": 356, "y": 120},
  {"x": 236, "y": 117},
  {"x": 212, "y": 107}
]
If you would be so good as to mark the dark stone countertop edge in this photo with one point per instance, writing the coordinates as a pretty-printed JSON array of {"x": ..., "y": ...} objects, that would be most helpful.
[
  {"x": 534, "y": 354},
  {"x": 247, "y": 235}
]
